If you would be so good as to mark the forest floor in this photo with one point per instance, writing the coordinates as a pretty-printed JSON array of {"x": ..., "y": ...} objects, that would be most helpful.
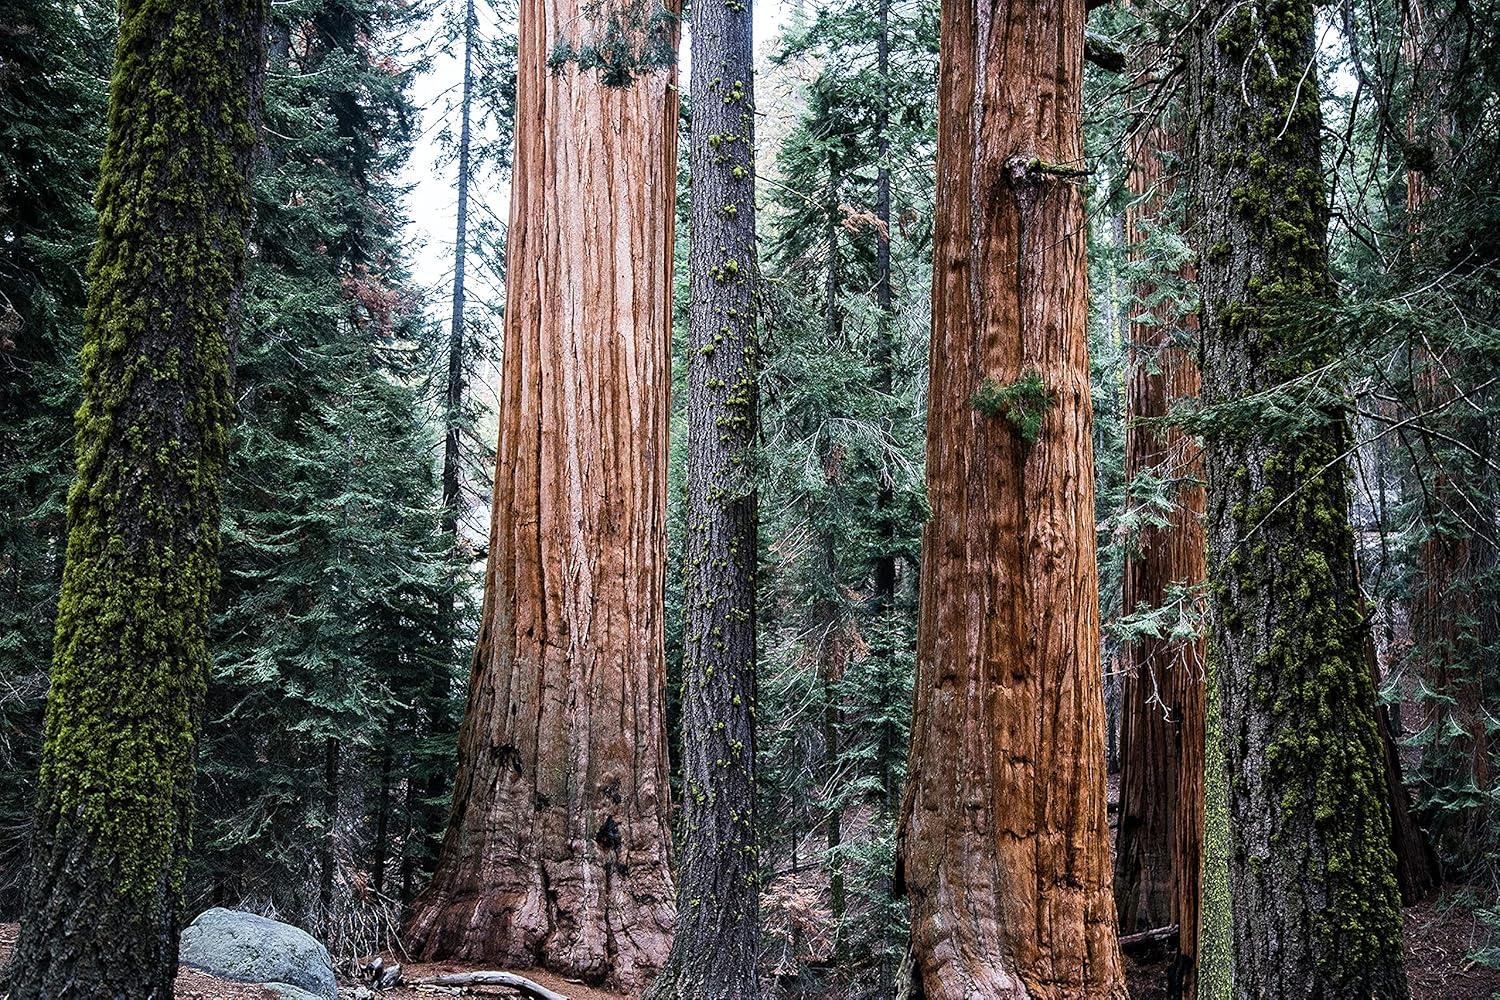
[
  {"x": 1439, "y": 940},
  {"x": 568, "y": 988}
]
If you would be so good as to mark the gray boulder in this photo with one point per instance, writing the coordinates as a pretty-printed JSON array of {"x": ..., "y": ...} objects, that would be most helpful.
[
  {"x": 246, "y": 948},
  {"x": 285, "y": 992}
]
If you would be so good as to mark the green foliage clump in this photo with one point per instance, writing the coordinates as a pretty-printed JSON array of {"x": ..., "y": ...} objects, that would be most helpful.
[
  {"x": 623, "y": 40},
  {"x": 53, "y": 59},
  {"x": 1024, "y": 403}
]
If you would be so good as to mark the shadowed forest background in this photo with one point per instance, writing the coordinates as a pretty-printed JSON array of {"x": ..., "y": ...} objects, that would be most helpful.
[{"x": 359, "y": 469}]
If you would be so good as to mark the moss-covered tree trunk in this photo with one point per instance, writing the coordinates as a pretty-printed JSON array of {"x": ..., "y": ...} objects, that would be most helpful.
[
  {"x": 1316, "y": 907},
  {"x": 1005, "y": 846},
  {"x": 718, "y": 930},
  {"x": 1214, "y": 969},
  {"x": 1158, "y": 847},
  {"x": 101, "y": 916},
  {"x": 558, "y": 843}
]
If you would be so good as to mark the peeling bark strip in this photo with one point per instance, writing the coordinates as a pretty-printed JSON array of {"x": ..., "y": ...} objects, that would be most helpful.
[
  {"x": 557, "y": 847},
  {"x": 1005, "y": 848},
  {"x": 1159, "y": 846},
  {"x": 1316, "y": 908}
]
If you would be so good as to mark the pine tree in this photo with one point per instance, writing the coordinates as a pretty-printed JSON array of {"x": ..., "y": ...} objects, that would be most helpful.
[
  {"x": 717, "y": 941},
  {"x": 1316, "y": 907},
  {"x": 114, "y": 809},
  {"x": 1006, "y": 782},
  {"x": 557, "y": 848}
]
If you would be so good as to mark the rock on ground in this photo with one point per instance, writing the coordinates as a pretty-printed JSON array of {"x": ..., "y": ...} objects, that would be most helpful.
[{"x": 252, "y": 949}]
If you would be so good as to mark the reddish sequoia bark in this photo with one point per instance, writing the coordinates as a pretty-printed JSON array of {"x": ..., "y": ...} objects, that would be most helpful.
[
  {"x": 1005, "y": 848},
  {"x": 1158, "y": 857},
  {"x": 1446, "y": 614},
  {"x": 557, "y": 847}
]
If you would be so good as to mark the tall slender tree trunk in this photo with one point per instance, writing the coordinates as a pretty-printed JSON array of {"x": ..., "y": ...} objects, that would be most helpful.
[
  {"x": 829, "y": 609},
  {"x": 424, "y": 794},
  {"x": 718, "y": 932},
  {"x": 1448, "y": 618},
  {"x": 1159, "y": 846},
  {"x": 102, "y": 915},
  {"x": 1418, "y": 872},
  {"x": 1316, "y": 906},
  {"x": 380, "y": 850},
  {"x": 1005, "y": 846},
  {"x": 558, "y": 843},
  {"x": 328, "y": 847}
]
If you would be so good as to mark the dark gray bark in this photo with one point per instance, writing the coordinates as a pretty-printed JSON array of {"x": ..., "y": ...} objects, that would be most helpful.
[
  {"x": 714, "y": 951},
  {"x": 1314, "y": 894},
  {"x": 101, "y": 919}
]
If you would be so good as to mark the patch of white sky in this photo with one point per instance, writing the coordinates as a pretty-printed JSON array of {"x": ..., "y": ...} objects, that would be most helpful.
[{"x": 431, "y": 174}]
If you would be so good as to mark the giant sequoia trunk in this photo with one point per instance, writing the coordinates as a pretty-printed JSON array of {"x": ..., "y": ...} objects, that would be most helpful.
[
  {"x": 1316, "y": 907},
  {"x": 1005, "y": 848},
  {"x": 102, "y": 910},
  {"x": 1159, "y": 845},
  {"x": 718, "y": 931},
  {"x": 557, "y": 846}
]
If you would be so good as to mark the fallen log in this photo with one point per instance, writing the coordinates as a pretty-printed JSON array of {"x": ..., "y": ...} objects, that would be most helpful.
[
  {"x": 1145, "y": 939},
  {"x": 510, "y": 979}
]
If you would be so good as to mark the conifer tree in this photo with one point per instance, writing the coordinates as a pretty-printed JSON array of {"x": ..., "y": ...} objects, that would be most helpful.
[
  {"x": 558, "y": 844},
  {"x": 1006, "y": 778},
  {"x": 114, "y": 809},
  {"x": 845, "y": 333},
  {"x": 717, "y": 941},
  {"x": 329, "y": 634},
  {"x": 1316, "y": 907}
]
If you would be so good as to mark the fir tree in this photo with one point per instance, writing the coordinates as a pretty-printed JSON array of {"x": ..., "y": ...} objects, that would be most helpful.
[
  {"x": 845, "y": 335},
  {"x": 330, "y": 641}
]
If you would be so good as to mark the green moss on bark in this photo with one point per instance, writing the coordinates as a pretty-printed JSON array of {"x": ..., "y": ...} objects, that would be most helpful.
[
  {"x": 152, "y": 433},
  {"x": 1316, "y": 908}
]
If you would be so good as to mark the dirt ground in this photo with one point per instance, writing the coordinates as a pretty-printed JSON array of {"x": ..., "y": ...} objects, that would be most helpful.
[
  {"x": 1438, "y": 940},
  {"x": 571, "y": 990},
  {"x": 191, "y": 984}
]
